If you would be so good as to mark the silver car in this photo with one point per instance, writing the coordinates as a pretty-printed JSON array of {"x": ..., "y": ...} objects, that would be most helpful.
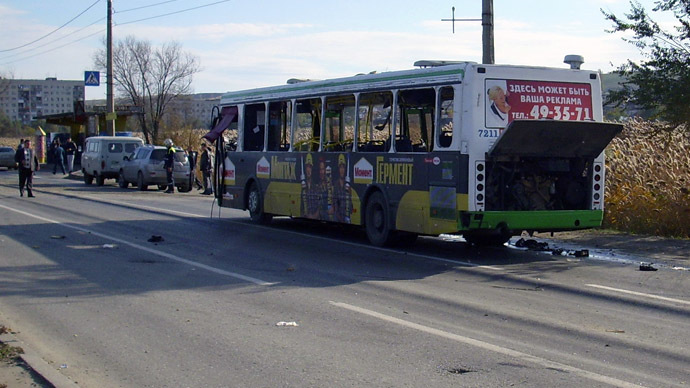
[
  {"x": 7, "y": 157},
  {"x": 144, "y": 167}
]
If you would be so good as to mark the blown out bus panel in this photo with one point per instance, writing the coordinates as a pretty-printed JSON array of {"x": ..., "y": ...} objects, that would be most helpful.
[{"x": 424, "y": 192}]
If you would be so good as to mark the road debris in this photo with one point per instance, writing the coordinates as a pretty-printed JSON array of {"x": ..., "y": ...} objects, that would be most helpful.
[
  {"x": 283, "y": 323},
  {"x": 648, "y": 267},
  {"x": 58, "y": 237},
  {"x": 154, "y": 239},
  {"x": 534, "y": 245}
]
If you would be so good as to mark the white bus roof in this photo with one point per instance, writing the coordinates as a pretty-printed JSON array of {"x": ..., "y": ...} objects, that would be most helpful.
[{"x": 379, "y": 81}]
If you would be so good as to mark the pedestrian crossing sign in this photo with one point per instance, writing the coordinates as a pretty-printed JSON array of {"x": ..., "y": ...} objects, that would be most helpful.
[{"x": 92, "y": 78}]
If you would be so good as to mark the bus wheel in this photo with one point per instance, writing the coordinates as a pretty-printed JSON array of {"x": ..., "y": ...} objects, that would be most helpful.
[
  {"x": 255, "y": 206},
  {"x": 377, "y": 222},
  {"x": 88, "y": 178},
  {"x": 100, "y": 180}
]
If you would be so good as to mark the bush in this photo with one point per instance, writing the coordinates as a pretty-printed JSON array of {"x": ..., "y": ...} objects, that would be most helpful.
[{"x": 648, "y": 181}]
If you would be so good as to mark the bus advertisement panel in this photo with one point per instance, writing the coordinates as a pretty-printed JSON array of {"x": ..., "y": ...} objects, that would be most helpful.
[{"x": 509, "y": 100}]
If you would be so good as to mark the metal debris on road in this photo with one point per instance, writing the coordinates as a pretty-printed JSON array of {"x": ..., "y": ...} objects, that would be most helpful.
[{"x": 534, "y": 245}]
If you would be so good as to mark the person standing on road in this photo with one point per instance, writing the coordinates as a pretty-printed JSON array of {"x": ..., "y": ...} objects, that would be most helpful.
[
  {"x": 59, "y": 157},
  {"x": 206, "y": 166},
  {"x": 193, "y": 157},
  {"x": 27, "y": 161},
  {"x": 169, "y": 164},
  {"x": 70, "y": 149}
]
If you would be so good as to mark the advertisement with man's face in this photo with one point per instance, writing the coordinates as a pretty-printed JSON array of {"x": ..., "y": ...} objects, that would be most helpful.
[{"x": 508, "y": 100}]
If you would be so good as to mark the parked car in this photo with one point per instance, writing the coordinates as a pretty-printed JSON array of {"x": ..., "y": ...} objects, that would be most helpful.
[
  {"x": 144, "y": 167},
  {"x": 102, "y": 157},
  {"x": 7, "y": 157}
]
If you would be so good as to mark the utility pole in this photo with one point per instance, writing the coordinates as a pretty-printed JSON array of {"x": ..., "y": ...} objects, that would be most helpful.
[
  {"x": 487, "y": 29},
  {"x": 110, "y": 101},
  {"x": 488, "y": 32}
]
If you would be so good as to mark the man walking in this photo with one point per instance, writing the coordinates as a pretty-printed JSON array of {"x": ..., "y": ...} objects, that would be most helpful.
[
  {"x": 59, "y": 158},
  {"x": 26, "y": 158}
]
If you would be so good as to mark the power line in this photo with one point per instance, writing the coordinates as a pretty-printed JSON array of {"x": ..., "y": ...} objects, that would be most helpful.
[
  {"x": 96, "y": 33},
  {"x": 52, "y": 41},
  {"x": 173, "y": 13},
  {"x": 145, "y": 6},
  {"x": 52, "y": 32},
  {"x": 55, "y": 48}
]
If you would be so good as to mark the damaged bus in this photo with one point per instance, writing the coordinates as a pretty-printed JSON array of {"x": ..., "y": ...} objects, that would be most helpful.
[{"x": 485, "y": 151}]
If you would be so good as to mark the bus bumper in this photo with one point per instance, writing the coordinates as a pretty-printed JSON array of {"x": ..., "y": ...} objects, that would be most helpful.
[{"x": 537, "y": 220}]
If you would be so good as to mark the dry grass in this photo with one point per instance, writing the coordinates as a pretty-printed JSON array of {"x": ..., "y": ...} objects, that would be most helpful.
[{"x": 648, "y": 181}]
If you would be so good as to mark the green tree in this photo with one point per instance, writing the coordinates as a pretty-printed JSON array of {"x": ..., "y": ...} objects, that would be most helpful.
[{"x": 660, "y": 83}]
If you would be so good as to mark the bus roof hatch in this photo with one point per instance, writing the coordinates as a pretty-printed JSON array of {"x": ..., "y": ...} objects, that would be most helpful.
[{"x": 558, "y": 139}]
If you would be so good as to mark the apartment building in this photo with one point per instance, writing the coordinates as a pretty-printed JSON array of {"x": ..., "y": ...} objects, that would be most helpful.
[{"x": 25, "y": 99}]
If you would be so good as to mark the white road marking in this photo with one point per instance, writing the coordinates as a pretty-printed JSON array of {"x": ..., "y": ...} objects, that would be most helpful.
[
  {"x": 147, "y": 249},
  {"x": 651, "y": 296},
  {"x": 488, "y": 346}
]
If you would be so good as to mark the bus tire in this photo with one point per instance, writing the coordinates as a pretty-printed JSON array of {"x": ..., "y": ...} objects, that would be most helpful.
[
  {"x": 88, "y": 178},
  {"x": 100, "y": 180},
  {"x": 255, "y": 205},
  {"x": 377, "y": 221}
]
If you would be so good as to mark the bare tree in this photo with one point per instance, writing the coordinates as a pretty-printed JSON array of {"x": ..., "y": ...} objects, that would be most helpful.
[{"x": 150, "y": 77}]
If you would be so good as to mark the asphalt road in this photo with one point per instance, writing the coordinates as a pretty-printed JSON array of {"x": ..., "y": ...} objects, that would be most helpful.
[{"x": 213, "y": 304}]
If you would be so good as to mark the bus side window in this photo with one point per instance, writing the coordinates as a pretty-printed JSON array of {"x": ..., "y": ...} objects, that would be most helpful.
[
  {"x": 445, "y": 124},
  {"x": 416, "y": 112},
  {"x": 254, "y": 118},
  {"x": 279, "y": 126},
  {"x": 308, "y": 128},
  {"x": 374, "y": 121},
  {"x": 339, "y": 123}
]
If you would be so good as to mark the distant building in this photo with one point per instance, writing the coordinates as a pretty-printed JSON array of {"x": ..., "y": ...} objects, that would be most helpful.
[
  {"x": 189, "y": 108},
  {"x": 195, "y": 108},
  {"x": 25, "y": 99}
]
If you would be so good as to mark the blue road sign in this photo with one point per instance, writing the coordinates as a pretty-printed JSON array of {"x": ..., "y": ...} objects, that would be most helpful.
[{"x": 92, "y": 78}]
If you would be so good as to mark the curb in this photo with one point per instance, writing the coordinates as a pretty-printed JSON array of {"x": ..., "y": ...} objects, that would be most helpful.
[{"x": 39, "y": 365}]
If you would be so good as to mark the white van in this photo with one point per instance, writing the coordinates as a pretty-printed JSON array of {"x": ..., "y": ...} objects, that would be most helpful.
[{"x": 103, "y": 156}]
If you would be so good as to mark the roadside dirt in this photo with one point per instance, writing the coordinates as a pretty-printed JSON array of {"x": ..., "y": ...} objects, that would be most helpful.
[{"x": 18, "y": 374}]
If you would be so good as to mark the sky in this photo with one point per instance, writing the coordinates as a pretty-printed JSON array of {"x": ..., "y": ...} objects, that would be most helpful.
[{"x": 245, "y": 44}]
